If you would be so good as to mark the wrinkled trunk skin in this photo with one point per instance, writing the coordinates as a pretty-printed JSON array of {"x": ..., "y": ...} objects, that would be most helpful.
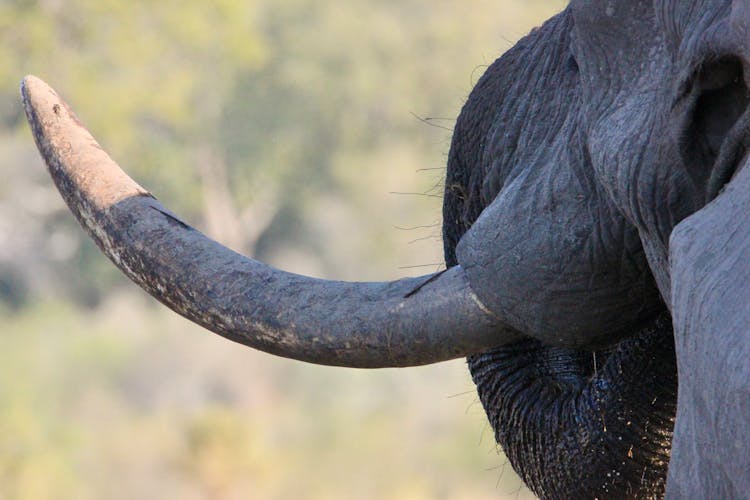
[{"x": 577, "y": 424}]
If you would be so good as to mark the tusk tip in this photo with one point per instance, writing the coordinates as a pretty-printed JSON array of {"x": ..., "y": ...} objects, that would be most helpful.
[
  {"x": 80, "y": 167},
  {"x": 38, "y": 96},
  {"x": 43, "y": 105},
  {"x": 29, "y": 86}
]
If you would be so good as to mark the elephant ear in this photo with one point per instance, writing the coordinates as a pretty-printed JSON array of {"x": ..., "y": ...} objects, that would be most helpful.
[
  {"x": 710, "y": 272},
  {"x": 709, "y": 254}
]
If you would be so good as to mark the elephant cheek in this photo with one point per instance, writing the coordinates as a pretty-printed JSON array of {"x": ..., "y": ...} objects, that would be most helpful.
[
  {"x": 710, "y": 281},
  {"x": 550, "y": 260}
]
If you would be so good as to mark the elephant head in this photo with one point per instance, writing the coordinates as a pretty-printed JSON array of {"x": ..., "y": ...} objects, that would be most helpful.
[{"x": 578, "y": 156}]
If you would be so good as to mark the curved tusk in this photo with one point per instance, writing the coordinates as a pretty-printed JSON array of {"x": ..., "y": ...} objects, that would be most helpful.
[{"x": 368, "y": 325}]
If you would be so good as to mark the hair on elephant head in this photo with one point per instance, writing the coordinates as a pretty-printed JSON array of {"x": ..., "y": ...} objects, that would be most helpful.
[{"x": 572, "y": 163}]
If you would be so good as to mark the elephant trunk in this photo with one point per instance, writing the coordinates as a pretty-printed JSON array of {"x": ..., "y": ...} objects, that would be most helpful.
[
  {"x": 406, "y": 322},
  {"x": 577, "y": 424}
]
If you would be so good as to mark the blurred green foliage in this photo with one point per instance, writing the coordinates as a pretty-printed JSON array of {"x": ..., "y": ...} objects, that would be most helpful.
[{"x": 286, "y": 129}]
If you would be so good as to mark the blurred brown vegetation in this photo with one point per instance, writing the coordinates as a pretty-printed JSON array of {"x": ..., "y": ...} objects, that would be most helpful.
[{"x": 309, "y": 134}]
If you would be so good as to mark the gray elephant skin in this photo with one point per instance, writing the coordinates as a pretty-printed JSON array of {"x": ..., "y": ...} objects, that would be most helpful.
[{"x": 596, "y": 238}]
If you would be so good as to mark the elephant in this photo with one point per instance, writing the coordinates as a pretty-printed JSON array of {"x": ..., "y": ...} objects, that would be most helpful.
[{"x": 596, "y": 264}]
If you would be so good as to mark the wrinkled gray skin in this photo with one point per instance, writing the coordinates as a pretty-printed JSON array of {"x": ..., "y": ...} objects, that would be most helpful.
[
  {"x": 575, "y": 158},
  {"x": 594, "y": 226}
]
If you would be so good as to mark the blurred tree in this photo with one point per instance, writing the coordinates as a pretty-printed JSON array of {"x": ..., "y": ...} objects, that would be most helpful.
[
  {"x": 170, "y": 69},
  {"x": 280, "y": 126},
  {"x": 249, "y": 117}
]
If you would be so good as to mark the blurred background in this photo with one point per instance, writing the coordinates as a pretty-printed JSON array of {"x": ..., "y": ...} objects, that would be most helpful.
[{"x": 309, "y": 134}]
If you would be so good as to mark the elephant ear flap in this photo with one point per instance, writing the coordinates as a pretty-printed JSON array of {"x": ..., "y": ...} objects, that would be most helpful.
[
  {"x": 739, "y": 18},
  {"x": 709, "y": 254}
]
